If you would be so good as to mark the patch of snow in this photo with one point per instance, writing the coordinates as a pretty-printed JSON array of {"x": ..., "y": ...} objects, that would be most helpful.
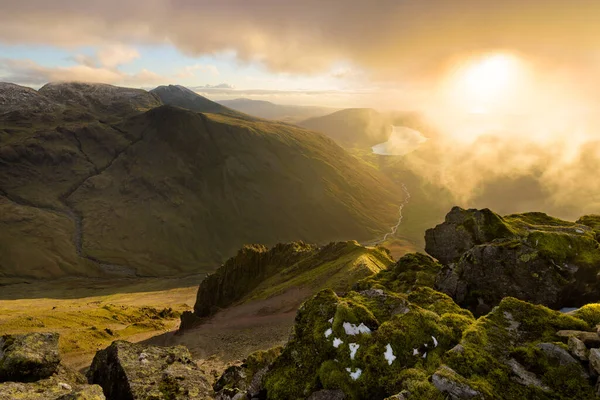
[
  {"x": 578, "y": 230},
  {"x": 337, "y": 342},
  {"x": 415, "y": 352},
  {"x": 65, "y": 386},
  {"x": 330, "y": 320},
  {"x": 536, "y": 242},
  {"x": 356, "y": 374},
  {"x": 425, "y": 344},
  {"x": 435, "y": 342},
  {"x": 353, "y": 349},
  {"x": 425, "y": 355},
  {"x": 328, "y": 332},
  {"x": 389, "y": 354},
  {"x": 352, "y": 329}
]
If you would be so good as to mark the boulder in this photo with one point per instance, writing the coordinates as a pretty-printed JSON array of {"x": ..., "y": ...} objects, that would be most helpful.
[
  {"x": 327, "y": 395},
  {"x": 589, "y": 339},
  {"x": 595, "y": 361},
  {"x": 524, "y": 377},
  {"x": 577, "y": 348},
  {"x": 447, "y": 381},
  {"x": 246, "y": 380},
  {"x": 529, "y": 256},
  {"x": 29, "y": 357},
  {"x": 461, "y": 230},
  {"x": 128, "y": 371}
]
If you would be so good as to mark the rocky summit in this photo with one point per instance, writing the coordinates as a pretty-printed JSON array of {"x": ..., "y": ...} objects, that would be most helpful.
[{"x": 529, "y": 256}]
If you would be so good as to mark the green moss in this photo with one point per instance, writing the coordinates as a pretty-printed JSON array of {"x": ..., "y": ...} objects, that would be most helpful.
[
  {"x": 590, "y": 313},
  {"x": 561, "y": 247},
  {"x": 437, "y": 302},
  {"x": 411, "y": 271}
]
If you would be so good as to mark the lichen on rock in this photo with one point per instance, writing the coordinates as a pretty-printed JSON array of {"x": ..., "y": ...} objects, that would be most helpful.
[{"x": 139, "y": 372}]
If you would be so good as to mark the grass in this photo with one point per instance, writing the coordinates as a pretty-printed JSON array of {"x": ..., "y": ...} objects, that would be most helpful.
[{"x": 92, "y": 322}]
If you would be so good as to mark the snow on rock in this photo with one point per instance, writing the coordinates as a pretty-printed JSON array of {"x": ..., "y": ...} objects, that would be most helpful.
[
  {"x": 425, "y": 355},
  {"x": 330, "y": 320},
  {"x": 435, "y": 342},
  {"x": 354, "y": 375},
  {"x": 353, "y": 349},
  {"x": 337, "y": 342},
  {"x": 579, "y": 230},
  {"x": 328, "y": 332},
  {"x": 415, "y": 352},
  {"x": 389, "y": 354},
  {"x": 352, "y": 329}
]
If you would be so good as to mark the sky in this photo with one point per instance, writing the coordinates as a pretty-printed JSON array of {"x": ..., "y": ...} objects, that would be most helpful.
[
  {"x": 382, "y": 53},
  {"x": 509, "y": 88}
]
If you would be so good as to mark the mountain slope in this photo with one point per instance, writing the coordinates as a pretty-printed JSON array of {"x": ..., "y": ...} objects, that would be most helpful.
[
  {"x": 209, "y": 184},
  {"x": 170, "y": 191},
  {"x": 281, "y": 112},
  {"x": 353, "y": 127},
  {"x": 180, "y": 96}
]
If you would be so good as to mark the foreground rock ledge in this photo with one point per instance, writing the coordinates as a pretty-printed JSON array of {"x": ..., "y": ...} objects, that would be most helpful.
[
  {"x": 28, "y": 358},
  {"x": 129, "y": 371}
]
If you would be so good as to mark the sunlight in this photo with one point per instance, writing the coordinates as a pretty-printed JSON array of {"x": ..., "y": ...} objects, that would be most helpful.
[{"x": 486, "y": 84}]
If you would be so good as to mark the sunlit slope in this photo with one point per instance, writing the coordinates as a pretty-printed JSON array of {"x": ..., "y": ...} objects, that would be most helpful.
[{"x": 196, "y": 187}]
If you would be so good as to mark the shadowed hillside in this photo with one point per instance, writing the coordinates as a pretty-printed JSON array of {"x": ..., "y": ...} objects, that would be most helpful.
[{"x": 166, "y": 191}]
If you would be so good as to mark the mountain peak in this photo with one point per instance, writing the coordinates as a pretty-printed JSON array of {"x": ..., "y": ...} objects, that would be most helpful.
[{"x": 180, "y": 96}]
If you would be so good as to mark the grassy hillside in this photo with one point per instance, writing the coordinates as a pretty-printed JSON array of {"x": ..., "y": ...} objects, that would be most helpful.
[{"x": 166, "y": 190}]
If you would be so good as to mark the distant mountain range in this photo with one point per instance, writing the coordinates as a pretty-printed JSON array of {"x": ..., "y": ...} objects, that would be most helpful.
[
  {"x": 280, "y": 112},
  {"x": 98, "y": 180}
]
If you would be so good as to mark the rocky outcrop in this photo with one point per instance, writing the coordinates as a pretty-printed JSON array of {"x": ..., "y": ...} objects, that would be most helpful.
[
  {"x": 28, "y": 358},
  {"x": 246, "y": 381},
  {"x": 241, "y": 273},
  {"x": 529, "y": 256},
  {"x": 128, "y": 371},
  {"x": 461, "y": 230},
  {"x": 289, "y": 266},
  {"x": 30, "y": 369}
]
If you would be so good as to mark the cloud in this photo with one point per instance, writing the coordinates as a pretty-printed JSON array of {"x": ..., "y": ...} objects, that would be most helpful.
[
  {"x": 115, "y": 55},
  {"x": 393, "y": 39},
  {"x": 28, "y": 72},
  {"x": 190, "y": 70}
]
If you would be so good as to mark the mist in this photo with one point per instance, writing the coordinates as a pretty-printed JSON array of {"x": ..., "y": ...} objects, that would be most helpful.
[{"x": 531, "y": 145}]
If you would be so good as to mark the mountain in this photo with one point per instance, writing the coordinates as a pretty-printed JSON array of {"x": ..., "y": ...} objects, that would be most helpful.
[
  {"x": 116, "y": 183},
  {"x": 180, "y": 96},
  {"x": 281, "y": 112},
  {"x": 353, "y": 127}
]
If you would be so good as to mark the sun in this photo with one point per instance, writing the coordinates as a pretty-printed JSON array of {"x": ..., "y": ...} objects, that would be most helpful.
[{"x": 487, "y": 83}]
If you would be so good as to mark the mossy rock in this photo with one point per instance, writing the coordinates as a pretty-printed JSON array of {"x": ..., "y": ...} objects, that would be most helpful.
[
  {"x": 510, "y": 336},
  {"x": 530, "y": 256},
  {"x": 411, "y": 271},
  {"x": 363, "y": 342},
  {"x": 246, "y": 379},
  {"x": 139, "y": 372},
  {"x": 29, "y": 357}
]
